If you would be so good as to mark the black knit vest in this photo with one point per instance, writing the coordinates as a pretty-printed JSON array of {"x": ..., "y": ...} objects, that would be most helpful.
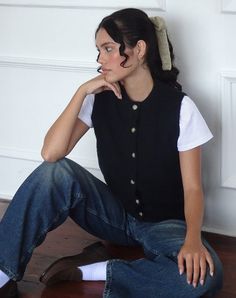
[{"x": 137, "y": 151}]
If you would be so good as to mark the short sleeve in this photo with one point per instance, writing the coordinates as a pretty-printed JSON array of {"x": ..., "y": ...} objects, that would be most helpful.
[
  {"x": 193, "y": 128},
  {"x": 86, "y": 110}
]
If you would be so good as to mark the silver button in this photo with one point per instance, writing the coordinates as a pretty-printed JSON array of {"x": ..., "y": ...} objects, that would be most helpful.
[
  {"x": 134, "y": 107},
  {"x": 132, "y": 181},
  {"x": 140, "y": 213},
  {"x": 137, "y": 202},
  {"x": 133, "y": 155},
  {"x": 133, "y": 129}
]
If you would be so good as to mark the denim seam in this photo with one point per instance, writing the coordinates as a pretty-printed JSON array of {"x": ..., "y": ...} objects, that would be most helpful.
[
  {"x": 44, "y": 232},
  {"x": 157, "y": 253},
  {"x": 107, "y": 289},
  {"x": 107, "y": 222}
]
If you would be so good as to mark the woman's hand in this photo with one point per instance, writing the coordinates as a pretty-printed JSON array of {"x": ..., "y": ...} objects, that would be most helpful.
[
  {"x": 194, "y": 258},
  {"x": 99, "y": 84}
]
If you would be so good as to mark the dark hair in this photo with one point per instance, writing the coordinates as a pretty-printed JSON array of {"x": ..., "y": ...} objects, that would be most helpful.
[{"x": 127, "y": 27}]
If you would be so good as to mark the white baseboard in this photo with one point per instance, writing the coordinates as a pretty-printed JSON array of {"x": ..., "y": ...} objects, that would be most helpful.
[
  {"x": 6, "y": 197},
  {"x": 219, "y": 231}
]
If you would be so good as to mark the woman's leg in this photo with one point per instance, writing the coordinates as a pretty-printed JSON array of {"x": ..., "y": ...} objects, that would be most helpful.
[
  {"x": 157, "y": 275},
  {"x": 49, "y": 195}
]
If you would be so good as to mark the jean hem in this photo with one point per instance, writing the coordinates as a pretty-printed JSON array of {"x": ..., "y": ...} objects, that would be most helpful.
[
  {"x": 107, "y": 288},
  {"x": 9, "y": 273}
]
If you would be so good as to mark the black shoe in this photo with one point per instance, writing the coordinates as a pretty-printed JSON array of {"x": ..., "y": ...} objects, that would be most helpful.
[
  {"x": 66, "y": 268},
  {"x": 9, "y": 290}
]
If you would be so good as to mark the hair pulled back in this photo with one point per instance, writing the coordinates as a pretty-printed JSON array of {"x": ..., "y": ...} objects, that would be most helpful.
[{"x": 127, "y": 27}]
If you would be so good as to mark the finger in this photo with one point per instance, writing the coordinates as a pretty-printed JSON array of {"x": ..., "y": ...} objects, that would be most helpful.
[
  {"x": 181, "y": 264},
  {"x": 189, "y": 268},
  {"x": 102, "y": 84},
  {"x": 115, "y": 88},
  {"x": 203, "y": 270},
  {"x": 196, "y": 270},
  {"x": 210, "y": 263}
]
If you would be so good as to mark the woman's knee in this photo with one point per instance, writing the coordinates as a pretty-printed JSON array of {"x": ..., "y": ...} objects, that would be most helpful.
[{"x": 49, "y": 172}]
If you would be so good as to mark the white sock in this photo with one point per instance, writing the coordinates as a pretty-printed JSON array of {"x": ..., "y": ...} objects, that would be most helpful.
[
  {"x": 95, "y": 271},
  {"x": 3, "y": 279}
]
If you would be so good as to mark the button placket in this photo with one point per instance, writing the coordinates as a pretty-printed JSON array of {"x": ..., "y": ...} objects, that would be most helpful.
[{"x": 133, "y": 155}]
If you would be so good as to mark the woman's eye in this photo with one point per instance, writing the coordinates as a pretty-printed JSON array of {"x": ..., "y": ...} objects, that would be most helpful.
[{"x": 108, "y": 49}]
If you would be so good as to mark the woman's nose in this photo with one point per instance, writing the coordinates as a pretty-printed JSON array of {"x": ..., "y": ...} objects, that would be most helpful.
[{"x": 100, "y": 58}]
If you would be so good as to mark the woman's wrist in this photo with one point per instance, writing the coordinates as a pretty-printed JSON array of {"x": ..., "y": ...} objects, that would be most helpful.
[
  {"x": 193, "y": 236},
  {"x": 82, "y": 90}
]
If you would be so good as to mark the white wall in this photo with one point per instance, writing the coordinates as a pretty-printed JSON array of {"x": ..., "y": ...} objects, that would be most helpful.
[{"x": 47, "y": 50}]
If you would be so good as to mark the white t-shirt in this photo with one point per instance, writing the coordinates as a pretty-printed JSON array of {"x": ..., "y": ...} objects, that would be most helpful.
[{"x": 193, "y": 128}]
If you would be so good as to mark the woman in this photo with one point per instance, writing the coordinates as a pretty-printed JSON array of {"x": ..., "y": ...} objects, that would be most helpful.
[{"x": 148, "y": 135}]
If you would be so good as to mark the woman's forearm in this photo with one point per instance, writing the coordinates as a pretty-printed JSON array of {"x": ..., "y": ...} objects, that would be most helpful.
[
  {"x": 57, "y": 141},
  {"x": 194, "y": 210},
  {"x": 58, "y": 137}
]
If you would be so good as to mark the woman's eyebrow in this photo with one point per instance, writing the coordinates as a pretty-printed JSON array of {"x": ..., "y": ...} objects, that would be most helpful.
[{"x": 106, "y": 44}]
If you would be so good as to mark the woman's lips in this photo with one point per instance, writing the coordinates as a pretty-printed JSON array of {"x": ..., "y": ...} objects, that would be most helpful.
[{"x": 105, "y": 70}]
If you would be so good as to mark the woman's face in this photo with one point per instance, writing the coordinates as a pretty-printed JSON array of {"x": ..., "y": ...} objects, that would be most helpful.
[{"x": 110, "y": 59}]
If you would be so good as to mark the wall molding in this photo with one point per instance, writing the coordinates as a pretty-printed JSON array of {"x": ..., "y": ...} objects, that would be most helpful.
[
  {"x": 75, "y": 4},
  {"x": 228, "y": 120},
  {"x": 48, "y": 64},
  {"x": 14, "y": 153},
  {"x": 26, "y": 155},
  {"x": 228, "y": 6}
]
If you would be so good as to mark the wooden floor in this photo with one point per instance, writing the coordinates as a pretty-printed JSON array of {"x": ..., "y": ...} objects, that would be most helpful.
[{"x": 69, "y": 239}]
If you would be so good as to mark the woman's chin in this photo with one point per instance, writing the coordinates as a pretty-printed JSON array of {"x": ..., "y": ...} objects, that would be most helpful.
[{"x": 110, "y": 79}]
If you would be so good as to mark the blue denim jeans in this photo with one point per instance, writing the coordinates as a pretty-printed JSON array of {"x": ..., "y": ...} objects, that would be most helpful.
[{"x": 57, "y": 190}]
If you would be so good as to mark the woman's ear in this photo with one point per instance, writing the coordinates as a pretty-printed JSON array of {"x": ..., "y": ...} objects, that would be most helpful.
[{"x": 141, "y": 49}]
